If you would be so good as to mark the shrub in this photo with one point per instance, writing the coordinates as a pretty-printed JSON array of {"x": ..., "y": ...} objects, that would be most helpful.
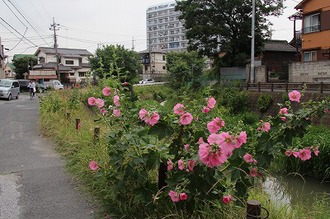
[
  {"x": 264, "y": 102},
  {"x": 235, "y": 100}
]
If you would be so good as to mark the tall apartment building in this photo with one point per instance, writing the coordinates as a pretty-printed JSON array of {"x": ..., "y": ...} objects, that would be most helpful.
[{"x": 164, "y": 30}]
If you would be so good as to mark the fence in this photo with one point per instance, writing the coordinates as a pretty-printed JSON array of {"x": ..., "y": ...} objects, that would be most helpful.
[{"x": 280, "y": 87}]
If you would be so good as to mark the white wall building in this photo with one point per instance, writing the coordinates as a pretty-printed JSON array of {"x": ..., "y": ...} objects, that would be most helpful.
[{"x": 164, "y": 30}]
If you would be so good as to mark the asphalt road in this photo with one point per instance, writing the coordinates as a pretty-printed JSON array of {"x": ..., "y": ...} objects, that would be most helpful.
[{"x": 33, "y": 181}]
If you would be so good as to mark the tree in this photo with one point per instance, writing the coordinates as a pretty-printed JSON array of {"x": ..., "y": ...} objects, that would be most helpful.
[
  {"x": 23, "y": 64},
  {"x": 184, "y": 68},
  {"x": 115, "y": 61},
  {"x": 224, "y": 26}
]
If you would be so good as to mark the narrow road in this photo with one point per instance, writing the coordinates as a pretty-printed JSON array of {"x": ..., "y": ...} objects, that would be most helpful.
[{"x": 33, "y": 181}]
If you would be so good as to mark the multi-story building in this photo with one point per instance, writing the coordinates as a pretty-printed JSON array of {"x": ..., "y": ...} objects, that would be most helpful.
[
  {"x": 315, "y": 29},
  {"x": 164, "y": 30}
]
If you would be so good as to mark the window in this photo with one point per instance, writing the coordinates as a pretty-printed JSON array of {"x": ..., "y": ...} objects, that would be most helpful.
[
  {"x": 164, "y": 57},
  {"x": 312, "y": 23},
  {"x": 164, "y": 67},
  {"x": 71, "y": 74},
  {"x": 69, "y": 62},
  {"x": 310, "y": 56},
  {"x": 82, "y": 74}
]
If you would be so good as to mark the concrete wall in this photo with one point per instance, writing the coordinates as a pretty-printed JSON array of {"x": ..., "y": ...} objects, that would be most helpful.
[
  {"x": 309, "y": 71},
  {"x": 260, "y": 74}
]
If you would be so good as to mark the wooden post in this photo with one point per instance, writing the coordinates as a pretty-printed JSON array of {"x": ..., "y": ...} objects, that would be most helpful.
[
  {"x": 271, "y": 86},
  {"x": 286, "y": 87},
  {"x": 321, "y": 87},
  {"x": 78, "y": 124},
  {"x": 259, "y": 89},
  {"x": 253, "y": 209},
  {"x": 96, "y": 134}
]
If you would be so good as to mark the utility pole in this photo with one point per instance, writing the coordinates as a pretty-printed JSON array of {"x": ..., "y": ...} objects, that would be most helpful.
[
  {"x": 55, "y": 27},
  {"x": 252, "y": 41},
  {"x": 133, "y": 46}
]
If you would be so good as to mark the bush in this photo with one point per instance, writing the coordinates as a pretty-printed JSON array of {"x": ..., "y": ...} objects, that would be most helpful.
[
  {"x": 235, "y": 100},
  {"x": 264, "y": 102}
]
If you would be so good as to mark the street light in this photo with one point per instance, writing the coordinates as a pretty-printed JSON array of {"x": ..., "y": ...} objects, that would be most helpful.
[{"x": 252, "y": 41}]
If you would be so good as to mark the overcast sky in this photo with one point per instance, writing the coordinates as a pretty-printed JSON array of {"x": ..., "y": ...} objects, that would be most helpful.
[{"x": 86, "y": 24}]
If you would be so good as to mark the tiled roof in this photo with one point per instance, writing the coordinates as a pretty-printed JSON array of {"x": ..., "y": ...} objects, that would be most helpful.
[
  {"x": 278, "y": 46},
  {"x": 52, "y": 65},
  {"x": 64, "y": 51},
  {"x": 301, "y": 4}
]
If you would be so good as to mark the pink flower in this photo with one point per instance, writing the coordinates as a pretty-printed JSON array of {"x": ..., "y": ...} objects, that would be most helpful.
[
  {"x": 294, "y": 96},
  {"x": 106, "y": 91},
  {"x": 186, "y": 119},
  {"x": 191, "y": 164},
  {"x": 295, "y": 153},
  {"x": 91, "y": 101},
  {"x": 153, "y": 119},
  {"x": 170, "y": 165},
  {"x": 211, "y": 159},
  {"x": 215, "y": 125},
  {"x": 265, "y": 127},
  {"x": 254, "y": 172},
  {"x": 213, "y": 139},
  {"x": 226, "y": 140},
  {"x": 211, "y": 102},
  {"x": 116, "y": 112},
  {"x": 186, "y": 147},
  {"x": 93, "y": 165},
  {"x": 103, "y": 111},
  {"x": 200, "y": 141},
  {"x": 226, "y": 199},
  {"x": 125, "y": 83},
  {"x": 316, "y": 151},
  {"x": 284, "y": 111},
  {"x": 283, "y": 118},
  {"x": 183, "y": 196},
  {"x": 174, "y": 196},
  {"x": 181, "y": 164},
  {"x": 288, "y": 153},
  {"x": 178, "y": 109},
  {"x": 99, "y": 103},
  {"x": 116, "y": 100},
  {"x": 205, "y": 109},
  {"x": 305, "y": 154},
  {"x": 143, "y": 114},
  {"x": 248, "y": 158},
  {"x": 240, "y": 140}
]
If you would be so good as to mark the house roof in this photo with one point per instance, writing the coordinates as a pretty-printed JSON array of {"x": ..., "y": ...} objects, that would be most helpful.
[
  {"x": 301, "y": 4},
  {"x": 152, "y": 51},
  {"x": 278, "y": 46},
  {"x": 52, "y": 65},
  {"x": 65, "y": 52}
]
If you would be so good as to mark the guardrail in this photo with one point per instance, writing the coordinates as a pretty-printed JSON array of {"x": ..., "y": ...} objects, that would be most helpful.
[{"x": 280, "y": 87}]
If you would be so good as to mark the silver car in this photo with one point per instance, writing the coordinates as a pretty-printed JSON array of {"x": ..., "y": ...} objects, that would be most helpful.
[{"x": 9, "y": 89}]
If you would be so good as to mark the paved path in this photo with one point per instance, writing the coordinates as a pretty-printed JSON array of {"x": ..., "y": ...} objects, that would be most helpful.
[{"x": 33, "y": 182}]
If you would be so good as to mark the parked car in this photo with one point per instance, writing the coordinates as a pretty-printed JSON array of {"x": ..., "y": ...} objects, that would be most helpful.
[
  {"x": 9, "y": 89},
  {"x": 23, "y": 85},
  {"x": 53, "y": 84},
  {"x": 146, "y": 81}
]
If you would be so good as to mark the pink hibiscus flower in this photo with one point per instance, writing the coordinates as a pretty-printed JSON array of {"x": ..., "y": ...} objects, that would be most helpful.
[
  {"x": 93, "y": 165},
  {"x": 191, "y": 164},
  {"x": 283, "y": 118},
  {"x": 106, "y": 91},
  {"x": 205, "y": 109},
  {"x": 316, "y": 151},
  {"x": 186, "y": 147},
  {"x": 143, "y": 114},
  {"x": 200, "y": 141},
  {"x": 248, "y": 158},
  {"x": 305, "y": 154},
  {"x": 240, "y": 140},
  {"x": 213, "y": 139},
  {"x": 178, "y": 109},
  {"x": 183, "y": 196},
  {"x": 186, "y": 119},
  {"x": 99, "y": 103},
  {"x": 294, "y": 96},
  {"x": 174, "y": 196},
  {"x": 103, "y": 111},
  {"x": 265, "y": 127},
  {"x": 91, "y": 101},
  {"x": 213, "y": 159},
  {"x": 116, "y": 100},
  {"x": 116, "y": 112},
  {"x": 211, "y": 102},
  {"x": 288, "y": 153},
  {"x": 170, "y": 165},
  {"x": 226, "y": 140},
  {"x": 284, "y": 111},
  {"x": 153, "y": 119},
  {"x": 226, "y": 199},
  {"x": 254, "y": 172},
  {"x": 181, "y": 164}
]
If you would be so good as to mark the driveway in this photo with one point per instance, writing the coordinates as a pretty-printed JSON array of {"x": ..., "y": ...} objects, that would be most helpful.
[{"x": 33, "y": 181}]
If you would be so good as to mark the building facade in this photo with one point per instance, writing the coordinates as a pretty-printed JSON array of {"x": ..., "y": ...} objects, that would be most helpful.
[
  {"x": 2, "y": 61},
  {"x": 164, "y": 30},
  {"x": 154, "y": 64},
  {"x": 72, "y": 65},
  {"x": 315, "y": 29}
]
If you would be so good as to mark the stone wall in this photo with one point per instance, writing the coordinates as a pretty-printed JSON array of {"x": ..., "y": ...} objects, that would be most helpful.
[{"x": 309, "y": 71}]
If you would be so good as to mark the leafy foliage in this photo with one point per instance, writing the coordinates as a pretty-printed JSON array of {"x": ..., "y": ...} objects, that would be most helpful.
[
  {"x": 23, "y": 65},
  {"x": 264, "y": 102},
  {"x": 226, "y": 25}
]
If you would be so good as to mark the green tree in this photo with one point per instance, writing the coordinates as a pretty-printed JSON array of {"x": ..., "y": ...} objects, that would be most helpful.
[
  {"x": 116, "y": 61},
  {"x": 185, "y": 68},
  {"x": 224, "y": 27},
  {"x": 23, "y": 64}
]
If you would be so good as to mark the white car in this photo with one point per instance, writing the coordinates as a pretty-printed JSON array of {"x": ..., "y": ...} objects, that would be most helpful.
[
  {"x": 146, "y": 81},
  {"x": 9, "y": 89}
]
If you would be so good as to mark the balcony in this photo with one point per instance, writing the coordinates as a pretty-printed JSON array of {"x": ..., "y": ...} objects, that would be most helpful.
[{"x": 311, "y": 29}]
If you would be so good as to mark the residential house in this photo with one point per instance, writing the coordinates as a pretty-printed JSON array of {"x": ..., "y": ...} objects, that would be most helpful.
[
  {"x": 9, "y": 70},
  {"x": 315, "y": 29},
  {"x": 72, "y": 64},
  {"x": 154, "y": 64}
]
